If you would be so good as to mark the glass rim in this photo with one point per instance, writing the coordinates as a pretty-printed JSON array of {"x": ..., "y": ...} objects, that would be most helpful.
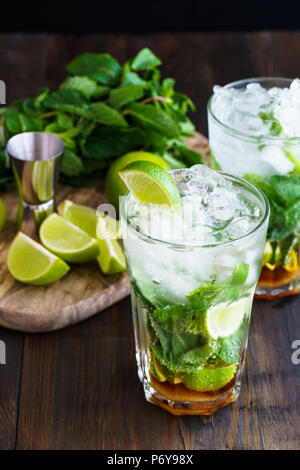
[
  {"x": 244, "y": 135},
  {"x": 242, "y": 182}
]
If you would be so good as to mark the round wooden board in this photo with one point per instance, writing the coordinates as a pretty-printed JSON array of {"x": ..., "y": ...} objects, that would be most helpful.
[{"x": 84, "y": 292}]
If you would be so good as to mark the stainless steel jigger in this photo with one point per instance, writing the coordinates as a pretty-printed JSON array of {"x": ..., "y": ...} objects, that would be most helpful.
[{"x": 35, "y": 159}]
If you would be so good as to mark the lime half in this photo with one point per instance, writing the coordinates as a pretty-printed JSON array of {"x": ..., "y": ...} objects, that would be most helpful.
[
  {"x": 210, "y": 378},
  {"x": 2, "y": 214},
  {"x": 111, "y": 259},
  {"x": 31, "y": 263},
  {"x": 86, "y": 219},
  {"x": 224, "y": 320},
  {"x": 151, "y": 184},
  {"x": 114, "y": 185},
  {"x": 67, "y": 240}
]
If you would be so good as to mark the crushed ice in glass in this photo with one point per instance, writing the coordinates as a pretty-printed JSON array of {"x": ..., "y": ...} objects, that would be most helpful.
[
  {"x": 252, "y": 109},
  {"x": 214, "y": 210}
]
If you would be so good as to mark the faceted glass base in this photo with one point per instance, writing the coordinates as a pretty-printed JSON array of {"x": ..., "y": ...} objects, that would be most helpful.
[
  {"x": 278, "y": 283},
  {"x": 188, "y": 402},
  {"x": 179, "y": 400}
]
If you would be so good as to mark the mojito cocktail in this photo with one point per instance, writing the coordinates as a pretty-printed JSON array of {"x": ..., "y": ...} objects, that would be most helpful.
[
  {"x": 193, "y": 274},
  {"x": 254, "y": 132}
]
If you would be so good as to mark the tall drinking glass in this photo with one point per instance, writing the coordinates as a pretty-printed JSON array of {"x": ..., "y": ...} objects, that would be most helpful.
[
  {"x": 193, "y": 274},
  {"x": 254, "y": 132}
]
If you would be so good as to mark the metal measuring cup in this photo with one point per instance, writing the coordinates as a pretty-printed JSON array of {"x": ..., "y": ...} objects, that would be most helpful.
[{"x": 35, "y": 159}]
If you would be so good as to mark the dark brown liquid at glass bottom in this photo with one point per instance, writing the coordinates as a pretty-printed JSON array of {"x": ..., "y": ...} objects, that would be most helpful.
[
  {"x": 179, "y": 400},
  {"x": 277, "y": 278}
]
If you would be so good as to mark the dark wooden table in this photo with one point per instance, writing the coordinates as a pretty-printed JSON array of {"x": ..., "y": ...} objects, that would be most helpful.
[{"x": 78, "y": 388}]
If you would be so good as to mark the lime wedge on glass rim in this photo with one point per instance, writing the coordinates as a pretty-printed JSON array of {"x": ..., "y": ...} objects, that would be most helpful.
[
  {"x": 111, "y": 258},
  {"x": 31, "y": 263},
  {"x": 2, "y": 214},
  {"x": 67, "y": 241},
  {"x": 114, "y": 186},
  {"x": 151, "y": 184}
]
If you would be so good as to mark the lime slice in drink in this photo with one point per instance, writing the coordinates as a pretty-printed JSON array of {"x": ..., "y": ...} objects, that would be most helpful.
[
  {"x": 2, "y": 214},
  {"x": 67, "y": 240},
  {"x": 86, "y": 219},
  {"x": 210, "y": 378},
  {"x": 268, "y": 253},
  {"x": 31, "y": 263},
  {"x": 162, "y": 373},
  {"x": 151, "y": 184},
  {"x": 157, "y": 369},
  {"x": 111, "y": 259},
  {"x": 114, "y": 185},
  {"x": 225, "y": 319},
  {"x": 291, "y": 263}
]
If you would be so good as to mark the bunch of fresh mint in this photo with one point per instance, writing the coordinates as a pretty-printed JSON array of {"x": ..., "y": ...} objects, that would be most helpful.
[
  {"x": 103, "y": 110},
  {"x": 283, "y": 193}
]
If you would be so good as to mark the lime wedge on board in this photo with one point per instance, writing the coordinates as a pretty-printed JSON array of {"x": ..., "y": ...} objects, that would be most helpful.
[
  {"x": 67, "y": 241},
  {"x": 31, "y": 263}
]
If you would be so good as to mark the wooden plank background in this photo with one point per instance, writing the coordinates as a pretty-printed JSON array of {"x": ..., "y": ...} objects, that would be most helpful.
[{"x": 78, "y": 388}]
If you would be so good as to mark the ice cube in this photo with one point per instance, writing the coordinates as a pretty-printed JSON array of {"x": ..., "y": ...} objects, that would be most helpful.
[{"x": 239, "y": 227}]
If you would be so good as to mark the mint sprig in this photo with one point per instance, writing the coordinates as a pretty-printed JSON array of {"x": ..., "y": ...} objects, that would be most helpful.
[
  {"x": 283, "y": 193},
  {"x": 103, "y": 110}
]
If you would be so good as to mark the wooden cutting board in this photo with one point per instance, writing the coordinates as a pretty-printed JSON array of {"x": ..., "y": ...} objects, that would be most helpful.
[{"x": 84, "y": 292}]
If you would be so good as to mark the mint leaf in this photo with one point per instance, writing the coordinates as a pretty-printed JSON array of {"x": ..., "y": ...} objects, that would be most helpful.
[
  {"x": 239, "y": 275},
  {"x": 64, "y": 121},
  {"x": 71, "y": 163},
  {"x": 150, "y": 117},
  {"x": 265, "y": 187},
  {"x": 144, "y": 60},
  {"x": 167, "y": 87},
  {"x": 292, "y": 215},
  {"x": 12, "y": 122},
  {"x": 197, "y": 357},
  {"x": 131, "y": 78},
  {"x": 107, "y": 115},
  {"x": 109, "y": 142},
  {"x": 39, "y": 100},
  {"x": 287, "y": 187},
  {"x": 30, "y": 123},
  {"x": 181, "y": 343},
  {"x": 174, "y": 163},
  {"x": 127, "y": 94},
  {"x": 275, "y": 126},
  {"x": 230, "y": 350},
  {"x": 165, "y": 338},
  {"x": 70, "y": 101},
  {"x": 191, "y": 157},
  {"x": 85, "y": 85},
  {"x": 29, "y": 107},
  {"x": 102, "y": 67}
]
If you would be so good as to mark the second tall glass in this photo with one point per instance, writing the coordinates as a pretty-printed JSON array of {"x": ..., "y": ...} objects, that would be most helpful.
[{"x": 247, "y": 140}]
